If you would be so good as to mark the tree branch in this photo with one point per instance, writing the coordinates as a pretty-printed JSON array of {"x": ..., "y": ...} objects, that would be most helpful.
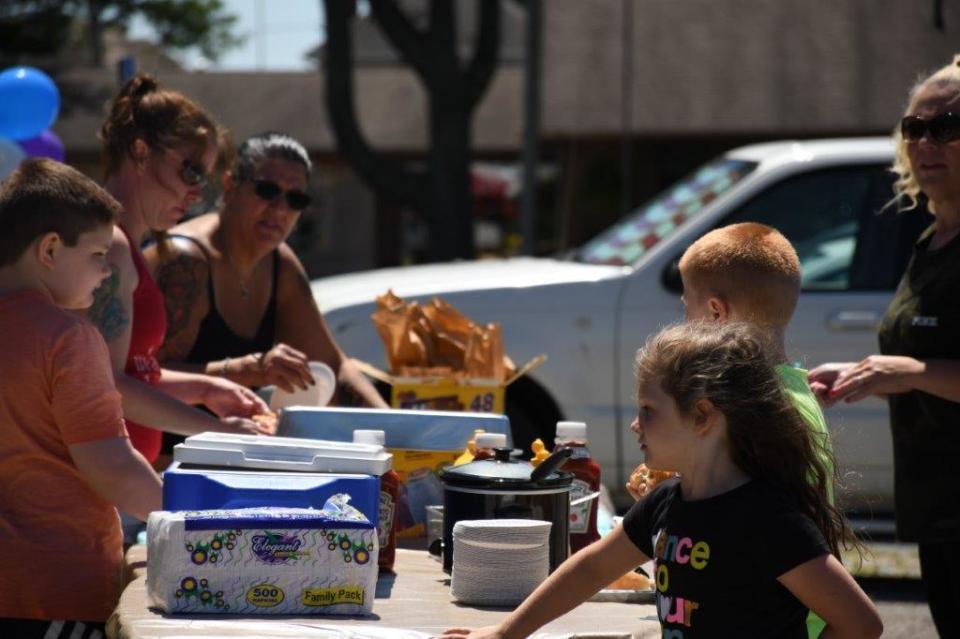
[
  {"x": 402, "y": 33},
  {"x": 385, "y": 174},
  {"x": 444, "y": 27},
  {"x": 480, "y": 71}
]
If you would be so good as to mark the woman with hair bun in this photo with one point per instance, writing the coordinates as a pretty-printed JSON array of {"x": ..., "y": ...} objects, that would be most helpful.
[
  {"x": 158, "y": 147},
  {"x": 918, "y": 370},
  {"x": 238, "y": 300}
]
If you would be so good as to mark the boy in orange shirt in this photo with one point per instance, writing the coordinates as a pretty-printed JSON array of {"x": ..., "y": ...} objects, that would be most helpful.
[{"x": 66, "y": 463}]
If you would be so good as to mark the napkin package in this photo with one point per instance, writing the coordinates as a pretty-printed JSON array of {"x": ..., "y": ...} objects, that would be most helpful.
[{"x": 276, "y": 561}]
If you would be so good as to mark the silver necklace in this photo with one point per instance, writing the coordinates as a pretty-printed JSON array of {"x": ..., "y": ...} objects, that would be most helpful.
[{"x": 244, "y": 287}]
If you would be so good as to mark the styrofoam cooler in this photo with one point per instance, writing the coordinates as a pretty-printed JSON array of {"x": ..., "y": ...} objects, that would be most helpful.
[
  {"x": 224, "y": 471},
  {"x": 406, "y": 429}
]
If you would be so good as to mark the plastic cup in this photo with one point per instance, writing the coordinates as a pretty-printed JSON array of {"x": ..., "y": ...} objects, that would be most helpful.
[{"x": 319, "y": 394}]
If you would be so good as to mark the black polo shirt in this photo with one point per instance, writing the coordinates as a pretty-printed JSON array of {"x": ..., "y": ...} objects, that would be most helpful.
[{"x": 923, "y": 322}]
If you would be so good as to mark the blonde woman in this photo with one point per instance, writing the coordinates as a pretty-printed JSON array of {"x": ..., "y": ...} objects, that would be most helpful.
[{"x": 918, "y": 368}]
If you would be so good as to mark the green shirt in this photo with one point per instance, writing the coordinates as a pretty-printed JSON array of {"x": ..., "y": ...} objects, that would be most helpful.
[
  {"x": 794, "y": 381},
  {"x": 923, "y": 321}
]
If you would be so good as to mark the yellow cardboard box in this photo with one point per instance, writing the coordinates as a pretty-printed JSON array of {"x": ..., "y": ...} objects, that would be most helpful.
[
  {"x": 418, "y": 468},
  {"x": 448, "y": 393}
]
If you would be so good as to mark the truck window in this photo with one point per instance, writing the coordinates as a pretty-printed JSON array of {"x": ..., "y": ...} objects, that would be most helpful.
[
  {"x": 835, "y": 218},
  {"x": 628, "y": 240}
]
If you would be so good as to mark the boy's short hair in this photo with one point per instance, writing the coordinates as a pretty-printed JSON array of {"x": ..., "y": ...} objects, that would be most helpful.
[
  {"x": 752, "y": 266},
  {"x": 43, "y": 196}
]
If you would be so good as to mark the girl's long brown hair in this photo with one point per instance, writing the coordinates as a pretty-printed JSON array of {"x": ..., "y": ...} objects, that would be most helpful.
[{"x": 728, "y": 365}]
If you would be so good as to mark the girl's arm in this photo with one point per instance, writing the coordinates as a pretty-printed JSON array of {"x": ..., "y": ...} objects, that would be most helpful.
[
  {"x": 825, "y": 587},
  {"x": 575, "y": 581},
  {"x": 300, "y": 324}
]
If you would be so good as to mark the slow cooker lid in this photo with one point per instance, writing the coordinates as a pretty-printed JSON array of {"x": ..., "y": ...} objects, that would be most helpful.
[{"x": 502, "y": 473}]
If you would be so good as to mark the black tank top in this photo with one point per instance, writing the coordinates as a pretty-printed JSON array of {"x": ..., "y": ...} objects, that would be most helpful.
[{"x": 215, "y": 339}]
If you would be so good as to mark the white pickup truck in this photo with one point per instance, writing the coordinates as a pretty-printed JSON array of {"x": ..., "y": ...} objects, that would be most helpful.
[{"x": 590, "y": 310}]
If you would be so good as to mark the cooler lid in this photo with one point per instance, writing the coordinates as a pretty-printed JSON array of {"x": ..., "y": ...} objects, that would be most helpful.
[
  {"x": 409, "y": 429},
  {"x": 282, "y": 453}
]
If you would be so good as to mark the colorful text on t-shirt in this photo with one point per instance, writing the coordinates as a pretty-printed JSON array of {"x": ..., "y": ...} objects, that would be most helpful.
[{"x": 673, "y": 549}]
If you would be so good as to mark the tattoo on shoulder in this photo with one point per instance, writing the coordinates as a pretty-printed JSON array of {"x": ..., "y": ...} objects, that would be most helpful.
[
  {"x": 107, "y": 311},
  {"x": 181, "y": 279}
]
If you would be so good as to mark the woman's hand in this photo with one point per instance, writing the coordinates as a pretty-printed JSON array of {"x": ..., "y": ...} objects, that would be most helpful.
[
  {"x": 229, "y": 399},
  {"x": 244, "y": 426},
  {"x": 822, "y": 378},
  {"x": 489, "y": 632},
  {"x": 875, "y": 375},
  {"x": 283, "y": 366}
]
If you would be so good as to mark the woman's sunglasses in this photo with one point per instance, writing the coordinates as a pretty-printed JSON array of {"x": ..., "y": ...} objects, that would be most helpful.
[
  {"x": 192, "y": 174},
  {"x": 942, "y": 128},
  {"x": 269, "y": 191}
]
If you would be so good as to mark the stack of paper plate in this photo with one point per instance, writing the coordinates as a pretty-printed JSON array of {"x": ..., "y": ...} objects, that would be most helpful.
[{"x": 498, "y": 562}]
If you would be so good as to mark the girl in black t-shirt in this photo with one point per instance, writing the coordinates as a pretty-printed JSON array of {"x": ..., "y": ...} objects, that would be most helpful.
[{"x": 745, "y": 541}]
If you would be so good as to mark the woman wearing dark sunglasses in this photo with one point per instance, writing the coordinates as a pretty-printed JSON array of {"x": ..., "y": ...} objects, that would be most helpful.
[
  {"x": 919, "y": 368},
  {"x": 158, "y": 147},
  {"x": 238, "y": 300}
]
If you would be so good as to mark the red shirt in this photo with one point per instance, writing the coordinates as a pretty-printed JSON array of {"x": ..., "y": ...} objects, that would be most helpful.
[{"x": 149, "y": 327}]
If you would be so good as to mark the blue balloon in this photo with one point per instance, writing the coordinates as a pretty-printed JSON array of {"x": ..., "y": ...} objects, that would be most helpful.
[{"x": 29, "y": 102}]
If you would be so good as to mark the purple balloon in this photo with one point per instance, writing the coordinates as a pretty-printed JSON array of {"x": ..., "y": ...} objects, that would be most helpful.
[{"x": 45, "y": 145}]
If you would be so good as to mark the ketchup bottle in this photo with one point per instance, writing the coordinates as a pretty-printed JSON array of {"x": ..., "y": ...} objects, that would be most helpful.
[
  {"x": 486, "y": 442},
  {"x": 389, "y": 496},
  {"x": 586, "y": 481}
]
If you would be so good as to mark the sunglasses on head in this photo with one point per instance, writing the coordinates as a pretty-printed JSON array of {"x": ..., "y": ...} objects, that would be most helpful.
[
  {"x": 269, "y": 191},
  {"x": 941, "y": 129}
]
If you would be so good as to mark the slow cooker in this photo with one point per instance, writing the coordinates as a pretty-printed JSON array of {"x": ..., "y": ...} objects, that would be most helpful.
[{"x": 506, "y": 488}]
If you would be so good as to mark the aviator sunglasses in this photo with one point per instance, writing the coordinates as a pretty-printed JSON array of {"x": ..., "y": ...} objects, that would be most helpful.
[
  {"x": 941, "y": 129},
  {"x": 269, "y": 191}
]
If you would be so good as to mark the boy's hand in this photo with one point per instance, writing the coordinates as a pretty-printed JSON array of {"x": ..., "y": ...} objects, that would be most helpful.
[
  {"x": 229, "y": 399},
  {"x": 489, "y": 632}
]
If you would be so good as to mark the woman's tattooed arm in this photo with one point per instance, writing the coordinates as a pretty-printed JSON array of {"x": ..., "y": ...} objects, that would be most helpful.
[
  {"x": 182, "y": 281},
  {"x": 107, "y": 311}
]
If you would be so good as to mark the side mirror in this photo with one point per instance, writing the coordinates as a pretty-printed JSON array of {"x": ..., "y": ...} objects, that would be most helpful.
[{"x": 670, "y": 277}]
